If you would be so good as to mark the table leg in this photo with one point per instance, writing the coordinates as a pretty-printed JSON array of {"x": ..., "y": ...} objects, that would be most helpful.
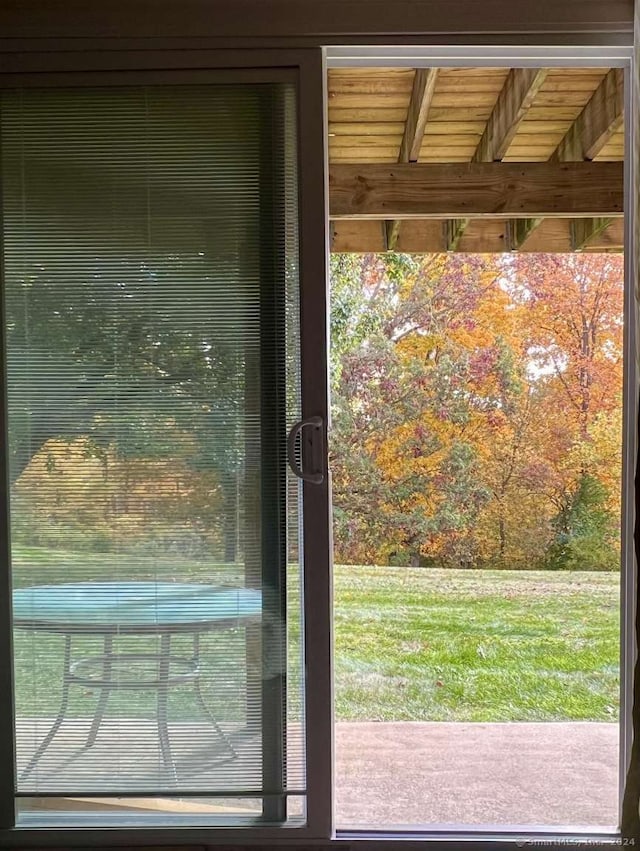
[
  {"x": 104, "y": 692},
  {"x": 163, "y": 689},
  {"x": 66, "y": 682},
  {"x": 253, "y": 689},
  {"x": 207, "y": 712}
]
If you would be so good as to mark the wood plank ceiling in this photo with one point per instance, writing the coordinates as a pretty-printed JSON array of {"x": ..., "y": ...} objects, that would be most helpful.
[{"x": 395, "y": 133}]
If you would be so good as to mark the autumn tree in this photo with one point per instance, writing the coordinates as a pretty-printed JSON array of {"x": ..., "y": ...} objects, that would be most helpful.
[
  {"x": 476, "y": 403},
  {"x": 130, "y": 302},
  {"x": 134, "y": 386},
  {"x": 420, "y": 379},
  {"x": 574, "y": 330}
]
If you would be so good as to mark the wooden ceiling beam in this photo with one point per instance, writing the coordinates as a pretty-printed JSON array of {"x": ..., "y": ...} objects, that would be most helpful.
[
  {"x": 519, "y": 230},
  {"x": 584, "y": 232},
  {"x": 424, "y": 83},
  {"x": 587, "y": 136},
  {"x": 596, "y": 124},
  {"x": 391, "y": 232},
  {"x": 464, "y": 190},
  {"x": 425, "y": 236},
  {"x": 453, "y": 232},
  {"x": 514, "y": 100}
]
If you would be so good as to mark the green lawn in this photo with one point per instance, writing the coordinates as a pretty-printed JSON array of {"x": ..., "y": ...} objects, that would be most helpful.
[
  {"x": 411, "y": 644},
  {"x": 458, "y": 645},
  {"x": 36, "y": 565}
]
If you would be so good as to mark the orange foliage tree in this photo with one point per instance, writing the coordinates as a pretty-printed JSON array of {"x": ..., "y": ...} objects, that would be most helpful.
[{"x": 476, "y": 405}]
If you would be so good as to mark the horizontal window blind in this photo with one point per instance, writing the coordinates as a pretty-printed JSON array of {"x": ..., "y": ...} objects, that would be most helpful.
[{"x": 150, "y": 287}]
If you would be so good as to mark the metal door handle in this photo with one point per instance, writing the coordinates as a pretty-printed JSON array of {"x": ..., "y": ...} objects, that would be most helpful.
[{"x": 315, "y": 423}]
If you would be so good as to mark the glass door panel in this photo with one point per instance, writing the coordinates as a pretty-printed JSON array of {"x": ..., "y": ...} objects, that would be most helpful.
[{"x": 152, "y": 324}]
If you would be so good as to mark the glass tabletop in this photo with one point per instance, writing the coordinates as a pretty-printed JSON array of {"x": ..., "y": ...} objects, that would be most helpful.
[{"x": 133, "y": 606}]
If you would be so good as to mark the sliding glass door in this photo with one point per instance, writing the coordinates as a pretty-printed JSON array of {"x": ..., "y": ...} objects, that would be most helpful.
[{"x": 153, "y": 368}]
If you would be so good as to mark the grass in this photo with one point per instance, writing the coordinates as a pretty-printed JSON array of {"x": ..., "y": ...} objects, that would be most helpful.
[
  {"x": 411, "y": 644},
  {"x": 457, "y": 645},
  {"x": 36, "y": 565}
]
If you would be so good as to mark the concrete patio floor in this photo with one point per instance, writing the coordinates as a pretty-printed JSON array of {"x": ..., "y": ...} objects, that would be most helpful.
[
  {"x": 415, "y": 773},
  {"x": 388, "y": 775}
]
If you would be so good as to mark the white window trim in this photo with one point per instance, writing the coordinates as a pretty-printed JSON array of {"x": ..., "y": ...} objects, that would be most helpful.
[{"x": 567, "y": 56}]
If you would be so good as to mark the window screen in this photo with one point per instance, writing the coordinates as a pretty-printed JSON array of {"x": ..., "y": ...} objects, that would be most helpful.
[{"x": 150, "y": 288}]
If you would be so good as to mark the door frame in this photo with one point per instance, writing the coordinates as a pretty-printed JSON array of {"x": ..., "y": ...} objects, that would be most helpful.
[
  {"x": 99, "y": 54},
  {"x": 574, "y": 56},
  {"x": 86, "y": 67}
]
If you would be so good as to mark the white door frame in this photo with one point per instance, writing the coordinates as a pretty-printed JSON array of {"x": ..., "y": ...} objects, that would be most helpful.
[{"x": 570, "y": 56}]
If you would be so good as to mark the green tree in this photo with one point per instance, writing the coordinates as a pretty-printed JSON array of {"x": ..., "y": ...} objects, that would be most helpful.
[{"x": 585, "y": 532}]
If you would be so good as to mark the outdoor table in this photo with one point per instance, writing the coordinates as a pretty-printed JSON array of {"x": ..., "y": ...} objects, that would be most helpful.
[{"x": 111, "y": 609}]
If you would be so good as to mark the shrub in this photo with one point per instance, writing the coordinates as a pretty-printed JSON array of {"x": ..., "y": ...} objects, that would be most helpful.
[{"x": 585, "y": 531}]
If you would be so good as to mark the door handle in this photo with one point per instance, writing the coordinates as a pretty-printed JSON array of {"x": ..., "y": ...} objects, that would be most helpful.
[{"x": 315, "y": 424}]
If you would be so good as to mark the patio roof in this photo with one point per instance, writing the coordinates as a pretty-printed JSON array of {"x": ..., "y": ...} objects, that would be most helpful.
[{"x": 476, "y": 159}]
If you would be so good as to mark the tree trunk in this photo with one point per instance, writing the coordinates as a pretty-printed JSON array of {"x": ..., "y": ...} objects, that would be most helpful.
[
  {"x": 502, "y": 537},
  {"x": 230, "y": 521}
]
